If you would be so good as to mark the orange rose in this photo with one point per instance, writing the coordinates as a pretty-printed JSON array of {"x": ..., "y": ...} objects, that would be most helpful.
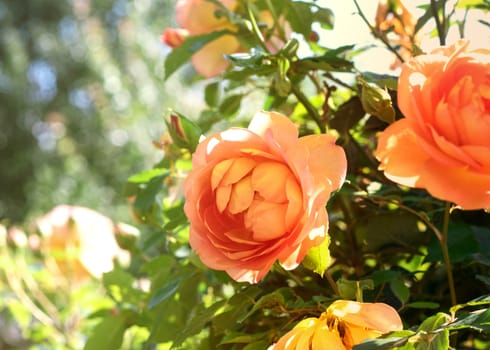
[
  {"x": 443, "y": 144},
  {"x": 258, "y": 195},
  {"x": 196, "y": 17},
  {"x": 344, "y": 324},
  {"x": 80, "y": 241}
]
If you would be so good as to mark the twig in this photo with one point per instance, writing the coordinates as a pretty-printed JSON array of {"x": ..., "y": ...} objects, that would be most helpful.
[
  {"x": 376, "y": 34},
  {"x": 309, "y": 107},
  {"x": 445, "y": 253}
]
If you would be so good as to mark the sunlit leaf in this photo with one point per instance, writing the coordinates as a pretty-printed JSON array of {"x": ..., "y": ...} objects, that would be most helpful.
[{"x": 318, "y": 258}]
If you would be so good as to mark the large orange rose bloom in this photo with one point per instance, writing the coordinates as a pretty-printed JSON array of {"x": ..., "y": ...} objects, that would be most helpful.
[
  {"x": 258, "y": 195},
  {"x": 443, "y": 143},
  {"x": 344, "y": 324}
]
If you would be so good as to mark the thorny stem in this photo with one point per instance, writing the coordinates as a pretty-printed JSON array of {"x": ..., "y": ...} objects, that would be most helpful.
[
  {"x": 445, "y": 253},
  {"x": 376, "y": 34}
]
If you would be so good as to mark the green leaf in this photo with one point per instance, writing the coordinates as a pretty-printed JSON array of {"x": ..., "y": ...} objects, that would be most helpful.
[
  {"x": 325, "y": 17},
  {"x": 400, "y": 290},
  {"x": 268, "y": 301},
  {"x": 197, "y": 321},
  {"x": 389, "y": 229},
  {"x": 211, "y": 94},
  {"x": 462, "y": 244},
  {"x": 108, "y": 334},
  {"x": 422, "y": 305},
  {"x": 393, "y": 340},
  {"x": 231, "y": 105},
  {"x": 182, "y": 54},
  {"x": 477, "y": 4},
  {"x": 434, "y": 322},
  {"x": 478, "y": 320},
  {"x": 382, "y": 80},
  {"x": 243, "y": 338},
  {"x": 167, "y": 290},
  {"x": 148, "y": 175},
  {"x": 260, "y": 345},
  {"x": 318, "y": 258},
  {"x": 482, "y": 300},
  {"x": 347, "y": 115},
  {"x": 120, "y": 285},
  {"x": 248, "y": 60},
  {"x": 299, "y": 14}
]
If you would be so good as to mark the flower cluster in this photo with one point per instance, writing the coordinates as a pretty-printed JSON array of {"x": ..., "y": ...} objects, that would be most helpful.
[{"x": 343, "y": 325}]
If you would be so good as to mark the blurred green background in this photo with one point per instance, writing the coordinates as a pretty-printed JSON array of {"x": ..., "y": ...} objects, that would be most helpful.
[{"x": 81, "y": 98}]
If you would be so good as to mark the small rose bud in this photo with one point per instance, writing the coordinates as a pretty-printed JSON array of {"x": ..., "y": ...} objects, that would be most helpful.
[
  {"x": 184, "y": 132},
  {"x": 377, "y": 101},
  {"x": 174, "y": 37}
]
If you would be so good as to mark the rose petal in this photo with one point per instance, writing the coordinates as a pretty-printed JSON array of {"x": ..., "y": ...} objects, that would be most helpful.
[{"x": 282, "y": 130}]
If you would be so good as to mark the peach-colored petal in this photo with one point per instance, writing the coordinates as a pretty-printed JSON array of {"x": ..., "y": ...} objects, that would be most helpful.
[
  {"x": 269, "y": 180},
  {"x": 198, "y": 16},
  {"x": 401, "y": 157},
  {"x": 209, "y": 61},
  {"x": 470, "y": 190},
  {"x": 282, "y": 130},
  {"x": 326, "y": 162},
  {"x": 266, "y": 220},
  {"x": 326, "y": 339},
  {"x": 242, "y": 196},
  {"x": 379, "y": 317}
]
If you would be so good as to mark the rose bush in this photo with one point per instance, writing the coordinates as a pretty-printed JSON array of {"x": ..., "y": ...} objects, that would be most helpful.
[
  {"x": 443, "y": 143},
  {"x": 344, "y": 324},
  {"x": 258, "y": 195},
  {"x": 81, "y": 242}
]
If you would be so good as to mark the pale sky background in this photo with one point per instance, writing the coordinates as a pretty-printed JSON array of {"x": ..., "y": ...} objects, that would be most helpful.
[{"x": 350, "y": 29}]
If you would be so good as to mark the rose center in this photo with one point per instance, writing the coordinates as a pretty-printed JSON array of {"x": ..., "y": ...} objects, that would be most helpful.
[{"x": 264, "y": 194}]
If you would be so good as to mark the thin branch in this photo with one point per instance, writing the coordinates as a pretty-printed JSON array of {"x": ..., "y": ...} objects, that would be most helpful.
[
  {"x": 309, "y": 107},
  {"x": 445, "y": 253},
  {"x": 376, "y": 34}
]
